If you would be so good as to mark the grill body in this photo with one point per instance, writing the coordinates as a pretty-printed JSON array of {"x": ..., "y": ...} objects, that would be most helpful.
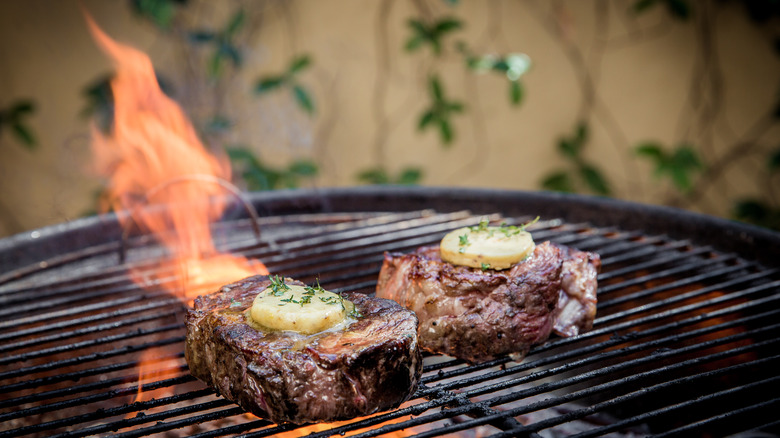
[{"x": 685, "y": 341}]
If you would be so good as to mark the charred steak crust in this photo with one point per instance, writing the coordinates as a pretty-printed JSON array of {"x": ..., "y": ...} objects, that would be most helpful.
[
  {"x": 480, "y": 315},
  {"x": 373, "y": 364}
]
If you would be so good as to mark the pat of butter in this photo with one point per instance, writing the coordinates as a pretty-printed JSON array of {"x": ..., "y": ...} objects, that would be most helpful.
[
  {"x": 487, "y": 247},
  {"x": 297, "y": 308}
]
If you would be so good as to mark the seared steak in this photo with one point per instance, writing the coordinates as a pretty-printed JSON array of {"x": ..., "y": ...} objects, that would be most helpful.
[
  {"x": 370, "y": 365},
  {"x": 478, "y": 315},
  {"x": 576, "y": 307}
]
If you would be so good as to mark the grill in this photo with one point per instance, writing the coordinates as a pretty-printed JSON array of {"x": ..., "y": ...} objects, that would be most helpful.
[{"x": 685, "y": 342}]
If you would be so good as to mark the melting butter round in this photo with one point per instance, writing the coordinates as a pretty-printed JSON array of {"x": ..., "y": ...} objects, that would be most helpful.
[
  {"x": 300, "y": 309},
  {"x": 486, "y": 247}
]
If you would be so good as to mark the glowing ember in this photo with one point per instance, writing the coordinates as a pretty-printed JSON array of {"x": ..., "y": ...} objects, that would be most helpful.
[{"x": 154, "y": 158}]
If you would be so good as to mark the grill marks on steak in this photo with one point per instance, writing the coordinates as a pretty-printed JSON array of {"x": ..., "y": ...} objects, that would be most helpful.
[
  {"x": 372, "y": 364},
  {"x": 480, "y": 315}
]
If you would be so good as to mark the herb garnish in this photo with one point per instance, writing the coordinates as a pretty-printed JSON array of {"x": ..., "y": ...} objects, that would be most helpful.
[
  {"x": 463, "y": 243},
  {"x": 234, "y": 303},
  {"x": 278, "y": 286},
  {"x": 311, "y": 290},
  {"x": 355, "y": 313},
  {"x": 289, "y": 300},
  {"x": 485, "y": 266},
  {"x": 483, "y": 225}
]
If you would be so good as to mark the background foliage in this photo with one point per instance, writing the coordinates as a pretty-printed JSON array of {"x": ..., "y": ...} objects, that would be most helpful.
[{"x": 685, "y": 169}]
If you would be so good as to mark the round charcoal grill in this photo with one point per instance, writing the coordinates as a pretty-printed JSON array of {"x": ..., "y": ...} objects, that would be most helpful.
[{"x": 685, "y": 342}]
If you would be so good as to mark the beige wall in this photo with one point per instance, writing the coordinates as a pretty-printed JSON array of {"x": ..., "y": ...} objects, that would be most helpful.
[{"x": 646, "y": 71}]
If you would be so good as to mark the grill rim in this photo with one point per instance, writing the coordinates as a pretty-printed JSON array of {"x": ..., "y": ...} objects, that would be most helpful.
[{"x": 749, "y": 241}]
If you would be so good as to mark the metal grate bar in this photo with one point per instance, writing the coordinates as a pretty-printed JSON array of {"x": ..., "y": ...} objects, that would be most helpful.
[
  {"x": 72, "y": 376},
  {"x": 683, "y": 296},
  {"x": 679, "y": 269},
  {"x": 59, "y": 325},
  {"x": 103, "y": 384},
  {"x": 95, "y": 398},
  {"x": 641, "y": 418},
  {"x": 671, "y": 314},
  {"x": 87, "y": 358},
  {"x": 85, "y": 344},
  {"x": 594, "y": 358},
  {"x": 122, "y": 410},
  {"x": 536, "y": 406},
  {"x": 84, "y": 331},
  {"x": 654, "y": 263}
]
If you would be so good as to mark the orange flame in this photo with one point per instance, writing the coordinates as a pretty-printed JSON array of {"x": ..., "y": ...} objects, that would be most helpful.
[{"x": 154, "y": 158}]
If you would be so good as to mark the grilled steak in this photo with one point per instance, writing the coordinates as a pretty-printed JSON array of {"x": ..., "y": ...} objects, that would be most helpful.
[
  {"x": 371, "y": 364},
  {"x": 576, "y": 307},
  {"x": 478, "y": 315}
]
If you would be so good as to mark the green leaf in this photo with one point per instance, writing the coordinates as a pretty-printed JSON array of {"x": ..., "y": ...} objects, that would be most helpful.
[
  {"x": 299, "y": 64},
  {"x": 304, "y": 168},
  {"x": 515, "y": 92},
  {"x": 231, "y": 52},
  {"x": 20, "y": 108},
  {"x": 650, "y": 150},
  {"x": 269, "y": 83},
  {"x": 418, "y": 27},
  {"x": 410, "y": 175},
  {"x": 215, "y": 65},
  {"x": 160, "y": 12},
  {"x": 454, "y": 107},
  {"x": 517, "y": 64},
  {"x": 218, "y": 123},
  {"x": 594, "y": 179},
  {"x": 558, "y": 182},
  {"x": 447, "y": 25},
  {"x": 686, "y": 158},
  {"x": 569, "y": 148},
  {"x": 303, "y": 99},
  {"x": 414, "y": 43},
  {"x": 373, "y": 176},
  {"x": 236, "y": 23},
  {"x": 426, "y": 119},
  {"x": 643, "y": 5},
  {"x": 202, "y": 36},
  {"x": 445, "y": 132},
  {"x": 24, "y": 135},
  {"x": 750, "y": 209},
  {"x": 436, "y": 90},
  {"x": 774, "y": 160},
  {"x": 581, "y": 135},
  {"x": 679, "y": 9}
]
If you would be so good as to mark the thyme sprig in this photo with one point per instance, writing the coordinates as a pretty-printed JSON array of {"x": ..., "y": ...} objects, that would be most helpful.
[
  {"x": 278, "y": 286},
  {"x": 463, "y": 243}
]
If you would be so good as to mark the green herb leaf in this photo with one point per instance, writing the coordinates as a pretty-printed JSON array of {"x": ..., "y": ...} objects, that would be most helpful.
[
  {"x": 595, "y": 180},
  {"x": 269, "y": 83},
  {"x": 202, "y": 36},
  {"x": 24, "y": 135},
  {"x": 278, "y": 286},
  {"x": 299, "y": 64},
  {"x": 303, "y": 98},
  {"x": 410, "y": 175},
  {"x": 642, "y": 5},
  {"x": 235, "y": 24},
  {"x": 774, "y": 160},
  {"x": 515, "y": 92},
  {"x": 559, "y": 182}
]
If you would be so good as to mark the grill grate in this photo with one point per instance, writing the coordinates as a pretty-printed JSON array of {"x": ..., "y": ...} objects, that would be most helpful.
[{"x": 685, "y": 342}]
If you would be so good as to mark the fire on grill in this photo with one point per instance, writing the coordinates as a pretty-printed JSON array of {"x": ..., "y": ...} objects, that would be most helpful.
[{"x": 92, "y": 326}]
